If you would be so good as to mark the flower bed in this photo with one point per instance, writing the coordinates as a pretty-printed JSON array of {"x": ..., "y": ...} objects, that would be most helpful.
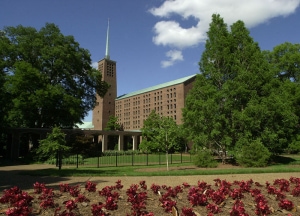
[{"x": 220, "y": 197}]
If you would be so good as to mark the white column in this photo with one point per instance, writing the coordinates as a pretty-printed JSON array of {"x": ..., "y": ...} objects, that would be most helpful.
[
  {"x": 134, "y": 142},
  {"x": 121, "y": 142},
  {"x": 104, "y": 142}
]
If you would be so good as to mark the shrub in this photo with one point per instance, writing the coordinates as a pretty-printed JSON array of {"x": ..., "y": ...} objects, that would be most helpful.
[
  {"x": 204, "y": 158},
  {"x": 253, "y": 154}
]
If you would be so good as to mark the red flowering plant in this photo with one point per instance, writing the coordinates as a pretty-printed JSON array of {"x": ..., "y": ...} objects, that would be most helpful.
[
  {"x": 90, "y": 186},
  {"x": 143, "y": 185},
  {"x": 284, "y": 185},
  {"x": 196, "y": 197},
  {"x": 111, "y": 196},
  {"x": 286, "y": 204},
  {"x": 185, "y": 211},
  {"x": 262, "y": 207},
  {"x": 218, "y": 196},
  {"x": 69, "y": 205},
  {"x": 296, "y": 190},
  {"x": 155, "y": 188},
  {"x": 18, "y": 200},
  {"x": 119, "y": 185},
  {"x": 236, "y": 193},
  {"x": 64, "y": 187},
  {"x": 38, "y": 187},
  {"x": 74, "y": 190},
  {"x": 186, "y": 185},
  {"x": 137, "y": 199},
  {"x": 238, "y": 209},
  {"x": 97, "y": 210},
  {"x": 213, "y": 209},
  {"x": 81, "y": 198}
]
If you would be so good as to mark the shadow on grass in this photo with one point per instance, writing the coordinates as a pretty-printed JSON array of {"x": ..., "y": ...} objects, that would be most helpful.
[
  {"x": 282, "y": 160},
  {"x": 67, "y": 172}
]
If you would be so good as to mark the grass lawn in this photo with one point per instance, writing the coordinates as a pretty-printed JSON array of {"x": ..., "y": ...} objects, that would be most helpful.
[{"x": 281, "y": 164}]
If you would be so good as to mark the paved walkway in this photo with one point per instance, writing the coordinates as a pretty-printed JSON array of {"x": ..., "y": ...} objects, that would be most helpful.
[{"x": 10, "y": 176}]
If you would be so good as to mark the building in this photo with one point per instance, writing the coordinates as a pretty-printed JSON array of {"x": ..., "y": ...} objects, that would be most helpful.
[{"x": 167, "y": 99}]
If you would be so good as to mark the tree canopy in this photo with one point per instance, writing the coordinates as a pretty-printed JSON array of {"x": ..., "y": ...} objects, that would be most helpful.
[
  {"x": 112, "y": 124},
  {"x": 236, "y": 97},
  {"x": 48, "y": 78},
  {"x": 161, "y": 133}
]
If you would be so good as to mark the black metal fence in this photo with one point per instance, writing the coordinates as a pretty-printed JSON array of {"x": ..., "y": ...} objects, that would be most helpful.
[{"x": 116, "y": 158}]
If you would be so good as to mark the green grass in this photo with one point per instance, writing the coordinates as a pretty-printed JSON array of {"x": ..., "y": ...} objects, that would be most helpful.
[{"x": 282, "y": 164}]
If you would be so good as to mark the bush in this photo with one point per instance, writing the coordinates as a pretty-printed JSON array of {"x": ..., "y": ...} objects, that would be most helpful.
[
  {"x": 253, "y": 154},
  {"x": 204, "y": 158}
]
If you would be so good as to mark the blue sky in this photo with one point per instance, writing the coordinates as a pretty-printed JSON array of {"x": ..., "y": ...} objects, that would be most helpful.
[{"x": 154, "y": 41}]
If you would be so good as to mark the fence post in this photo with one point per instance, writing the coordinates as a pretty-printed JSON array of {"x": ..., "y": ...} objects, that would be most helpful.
[
  {"x": 159, "y": 158},
  {"x": 180, "y": 157},
  {"x": 77, "y": 161},
  {"x": 116, "y": 159},
  {"x": 132, "y": 158},
  {"x": 147, "y": 158}
]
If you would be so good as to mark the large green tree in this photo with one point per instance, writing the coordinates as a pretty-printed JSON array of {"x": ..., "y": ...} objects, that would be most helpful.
[
  {"x": 112, "y": 124},
  {"x": 236, "y": 97},
  {"x": 48, "y": 76},
  {"x": 161, "y": 133},
  {"x": 285, "y": 61}
]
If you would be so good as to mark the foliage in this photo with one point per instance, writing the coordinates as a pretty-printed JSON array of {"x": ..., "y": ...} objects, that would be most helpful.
[
  {"x": 285, "y": 59},
  {"x": 48, "y": 77},
  {"x": 204, "y": 158},
  {"x": 83, "y": 145},
  {"x": 112, "y": 124},
  {"x": 221, "y": 196},
  {"x": 253, "y": 154},
  {"x": 160, "y": 133},
  {"x": 237, "y": 97},
  {"x": 54, "y": 145}
]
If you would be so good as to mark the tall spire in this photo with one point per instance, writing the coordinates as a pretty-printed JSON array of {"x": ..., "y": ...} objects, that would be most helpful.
[{"x": 107, "y": 42}]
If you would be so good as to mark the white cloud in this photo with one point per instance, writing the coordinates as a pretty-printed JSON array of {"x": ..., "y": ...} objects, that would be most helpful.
[
  {"x": 174, "y": 56},
  {"x": 169, "y": 32},
  {"x": 95, "y": 65}
]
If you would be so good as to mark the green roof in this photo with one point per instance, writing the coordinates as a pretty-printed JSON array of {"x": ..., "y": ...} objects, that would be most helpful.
[
  {"x": 156, "y": 87},
  {"x": 85, "y": 125}
]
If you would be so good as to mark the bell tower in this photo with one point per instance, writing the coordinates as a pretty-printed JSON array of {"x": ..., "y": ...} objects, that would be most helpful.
[{"x": 105, "y": 107}]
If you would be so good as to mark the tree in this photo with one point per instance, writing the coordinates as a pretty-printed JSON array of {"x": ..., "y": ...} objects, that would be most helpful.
[
  {"x": 236, "y": 95},
  {"x": 53, "y": 146},
  {"x": 161, "y": 133},
  {"x": 285, "y": 59},
  {"x": 4, "y": 97},
  {"x": 112, "y": 124},
  {"x": 49, "y": 77}
]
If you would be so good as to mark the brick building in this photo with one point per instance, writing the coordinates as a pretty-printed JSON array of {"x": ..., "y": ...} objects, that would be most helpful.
[{"x": 167, "y": 99}]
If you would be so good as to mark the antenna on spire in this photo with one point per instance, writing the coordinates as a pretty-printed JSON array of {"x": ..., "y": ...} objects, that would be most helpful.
[{"x": 107, "y": 42}]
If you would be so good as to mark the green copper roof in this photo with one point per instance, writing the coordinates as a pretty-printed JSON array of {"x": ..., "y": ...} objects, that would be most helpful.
[
  {"x": 156, "y": 87},
  {"x": 85, "y": 125}
]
